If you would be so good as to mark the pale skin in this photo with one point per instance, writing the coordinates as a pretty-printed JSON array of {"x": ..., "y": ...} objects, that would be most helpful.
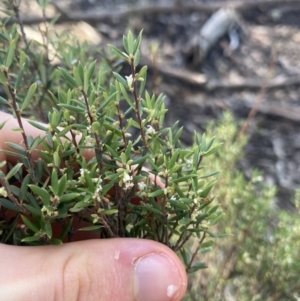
[{"x": 104, "y": 270}]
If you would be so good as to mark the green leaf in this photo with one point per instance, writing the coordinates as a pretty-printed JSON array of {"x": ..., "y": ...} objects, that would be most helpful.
[
  {"x": 137, "y": 57},
  {"x": 62, "y": 185},
  {"x": 4, "y": 37},
  {"x": 66, "y": 229},
  {"x": 85, "y": 81},
  {"x": 120, "y": 79},
  {"x": 38, "y": 170},
  {"x": 55, "y": 241},
  {"x": 38, "y": 125},
  {"x": 77, "y": 77},
  {"x": 216, "y": 219},
  {"x": 69, "y": 196},
  {"x": 70, "y": 80},
  {"x": 42, "y": 193},
  {"x": 43, "y": 3},
  {"x": 209, "y": 174},
  {"x": 54, "y": 182},
  {"x": 65, "y": 130},
  {"x": 91, "y": 228},
  {"x": 14, "y": 154},
  {"x": 91, "y": 70},
  {"x": 125, "y": 43},
  {"x": 107, "y": 101},
  {"x": 213, "y": 150},
  {"x": 177, "y": 136},
  {"x": 20, "y": 77},
  {"x": 208, "y": 188},
  {"x": 13, "y": 225},
  {"x": 3, "y": 101},
  {"x": 179, "y": 205},
  {"x": 119, "y": 53},
  {"x": 48, "y": 229},
  {"x": 28, "y": 223},
  {"x": 15, "y": 146},
  {"x": 72, "y": 108},
  {"x": 207, "y": 244},
  {"x": 184, "y": 221},
  {"x": 10, "y": 54},
  {"x": 35, "y": 142},
  {"x": 184, "y": 178},
  {"x": 154, "y": 210},
  {"x": 110, "y": 211},
  {"x": 130, "y": 41},
  {"x": 138, "y": 42},
  {"x": 31, "y": 238},
  {"x": 17, "y": 129},
  {"x": 185, "y": 256},
  {"x": 9, "y": 205},
  {"x": 33, "y": 210},
  {"x": 173, "y": 159},
  {"x": 144, "y": 81},
  {"x": 24, "y": 187},
  {"x": 79, "y": 206},
  {"x": 13, "y": 171},
  {"x": 2, "y": 124},
  {"x": 140, "y": 160},
  {"x": 29, "y": 96},
  {"x": 125, "y": 94},
  {"x": 209, "y": 143},
  {"x": 156, "y": 193},
  {"x": 197, "y": 266},
  {"x": 3, "y": 80}
]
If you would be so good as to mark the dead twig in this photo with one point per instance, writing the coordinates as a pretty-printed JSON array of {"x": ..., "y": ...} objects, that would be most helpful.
[
  {"x": 259, "y": 98},
  {"x": 202, "y": 82}
]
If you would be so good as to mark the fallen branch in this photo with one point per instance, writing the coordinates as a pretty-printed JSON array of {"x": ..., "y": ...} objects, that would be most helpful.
[
  {"x": 201, "y": 81},
  {"x": 254, "y": 85},
  {"x": 289, "y": 113}
]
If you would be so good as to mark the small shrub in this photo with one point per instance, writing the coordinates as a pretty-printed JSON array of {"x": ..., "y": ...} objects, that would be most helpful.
[
  {"x": 259, "y": 259},
  {"x": 93, "y": 174}
]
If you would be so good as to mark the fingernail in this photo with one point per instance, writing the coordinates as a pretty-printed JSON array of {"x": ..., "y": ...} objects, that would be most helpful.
[{"x": 156, "y": 278}]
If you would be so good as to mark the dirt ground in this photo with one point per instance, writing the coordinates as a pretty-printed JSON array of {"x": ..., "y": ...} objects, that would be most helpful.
[{"x": 254, "y": 64}]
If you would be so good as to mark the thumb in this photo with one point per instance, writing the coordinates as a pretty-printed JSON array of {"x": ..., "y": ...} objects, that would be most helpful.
[{"x": 103, "y": 270}]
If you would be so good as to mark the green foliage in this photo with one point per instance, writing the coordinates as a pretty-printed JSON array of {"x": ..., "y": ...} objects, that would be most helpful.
[
  {"x": 260, "y": 258},
  {"x": 94, "y": 172}
]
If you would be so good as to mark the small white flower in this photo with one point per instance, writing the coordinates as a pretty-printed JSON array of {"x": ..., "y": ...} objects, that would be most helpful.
[
  {"x": 82, "y": 172},
  {"x": 99, "y": 188},
  {"x": 89, "y": 141},
  {"x": 129, "y": 81},
  {"x": 128, "y": 185},
  {"x": 3, "y": 192},
  {"x": 127, "y": 181},
  {"x": 142, "y": 186},
  {"x": 127, "y": 177},
  {"x": 150, "y": 131},
  {"x": 173, "y": 198}
]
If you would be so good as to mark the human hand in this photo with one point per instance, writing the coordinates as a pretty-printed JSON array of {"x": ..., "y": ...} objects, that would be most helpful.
[
  {"x": 113, "y": 269},
  {"x": 122, "y": 269}
]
